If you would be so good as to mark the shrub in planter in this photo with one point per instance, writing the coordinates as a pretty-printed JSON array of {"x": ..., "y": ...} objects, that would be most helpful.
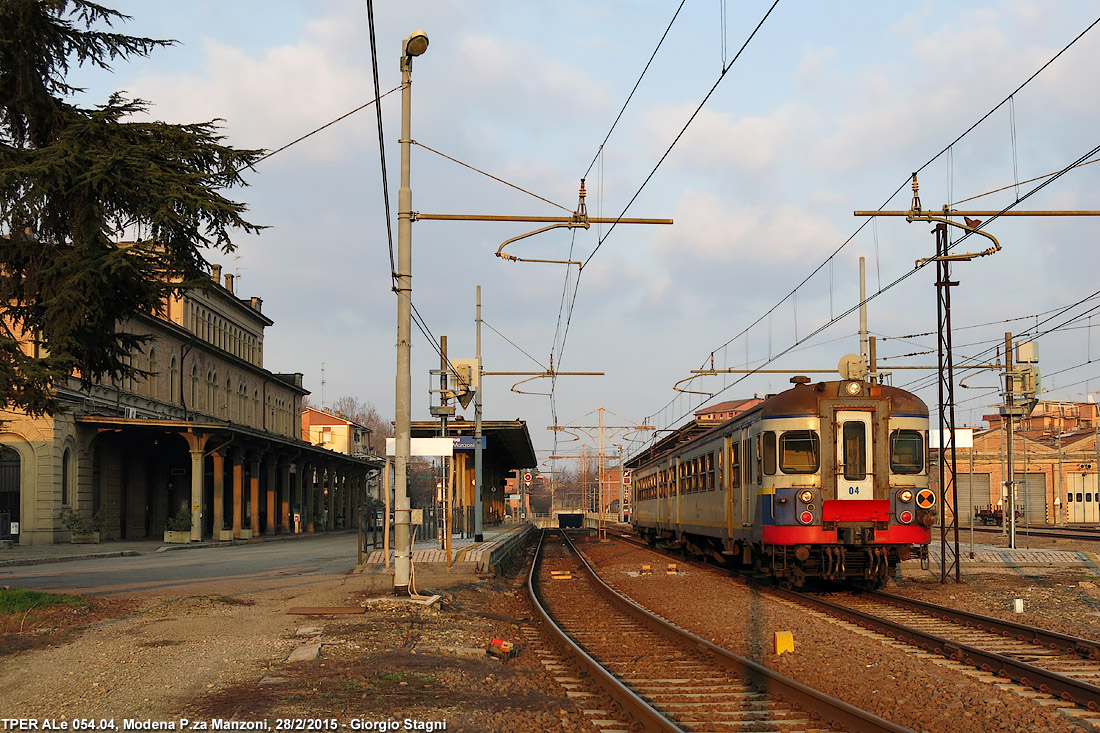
[
  {"x": 177, "y": 529},
  {"x": 84, "y": 526},
  {"x": 179, "y": 523}
]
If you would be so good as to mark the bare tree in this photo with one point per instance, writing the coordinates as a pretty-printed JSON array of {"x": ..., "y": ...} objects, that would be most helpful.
[{"x": 366, "y": 414}]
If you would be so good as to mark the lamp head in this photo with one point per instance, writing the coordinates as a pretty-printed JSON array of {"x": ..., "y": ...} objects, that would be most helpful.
[{"x": 416, "y": 43}]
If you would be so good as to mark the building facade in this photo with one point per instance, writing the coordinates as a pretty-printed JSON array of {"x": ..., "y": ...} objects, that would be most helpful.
[
  {"x": 1056, "y": 458},
  {"x": 209, "y": 432}
]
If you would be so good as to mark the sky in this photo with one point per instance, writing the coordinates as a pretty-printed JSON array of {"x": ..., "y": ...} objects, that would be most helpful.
[{"x": 759, "y": 131}]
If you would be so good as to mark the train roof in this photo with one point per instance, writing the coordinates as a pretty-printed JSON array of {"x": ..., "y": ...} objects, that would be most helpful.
[{"x": 801, "y": 399}]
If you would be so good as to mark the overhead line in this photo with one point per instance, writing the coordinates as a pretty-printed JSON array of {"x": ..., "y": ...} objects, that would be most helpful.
[
  {"x": 636, "y": 84},
  {"x": 694, "y": 114},
  {"x": 890, "y": 198}
]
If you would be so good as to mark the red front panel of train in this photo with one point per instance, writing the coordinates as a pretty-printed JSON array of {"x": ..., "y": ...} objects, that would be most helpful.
[{"x": 855, "y": 510}]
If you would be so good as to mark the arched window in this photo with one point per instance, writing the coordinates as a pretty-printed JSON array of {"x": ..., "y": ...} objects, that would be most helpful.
[
  {"x": 194, "y": 392},
  {"x": 66, "y": 476},
  {"x": 174, "y": 381},
  {"x": 154, "y": 383},
  {"x": 9, "y": 487},
  {"x": 242, "y": 403},
  {"x": 211, "y": 392},
  {"x": 228, "y": 398}
]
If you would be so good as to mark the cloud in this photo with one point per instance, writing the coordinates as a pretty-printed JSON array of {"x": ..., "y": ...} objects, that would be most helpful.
[
  {"x": 707, "y": 229},
  {"x": 724, "y": 144},
  {"x": 271, "y": 98}
]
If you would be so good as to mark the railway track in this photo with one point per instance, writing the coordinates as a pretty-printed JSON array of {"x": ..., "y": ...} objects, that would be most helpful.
[
  {"x": 665, "y": 678},
  {"x": 1045, "y": 665},
  {"x": 1063, "y": 666}
]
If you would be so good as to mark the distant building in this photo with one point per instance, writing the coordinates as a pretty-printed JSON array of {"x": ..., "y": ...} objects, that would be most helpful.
[
  {"x": 1056, "y": 457},
  {"x": 327, "y": 430},
  {"x": 726, "y": 410}
]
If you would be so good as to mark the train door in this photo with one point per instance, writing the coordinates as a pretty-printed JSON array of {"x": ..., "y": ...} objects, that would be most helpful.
[
  {"x": 731, "y": 479},
  {"x": 855, "y": 471},
  {"x": 748, "y": 485}
]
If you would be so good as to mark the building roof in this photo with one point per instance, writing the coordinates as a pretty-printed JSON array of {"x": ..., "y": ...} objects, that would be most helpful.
[{"x": 507, "y": 439}]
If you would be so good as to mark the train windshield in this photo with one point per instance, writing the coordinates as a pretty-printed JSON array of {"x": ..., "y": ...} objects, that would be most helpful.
[
  {"x": 855, "y": 451},
  {"x": 799, "y": 451},
  {"x": 906, "y": 451}
]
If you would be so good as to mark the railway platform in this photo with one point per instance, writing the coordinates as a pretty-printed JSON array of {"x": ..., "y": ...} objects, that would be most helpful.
[
  {"x": 487, "y": 556},
  {"x": 992, "y": 556}
]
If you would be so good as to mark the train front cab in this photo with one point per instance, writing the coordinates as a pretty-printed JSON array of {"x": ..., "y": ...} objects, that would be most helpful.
[{"x": 845, "y": 495}]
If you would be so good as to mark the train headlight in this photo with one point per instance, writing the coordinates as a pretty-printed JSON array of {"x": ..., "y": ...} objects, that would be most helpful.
[
  {"x": 806, "y": 515},
  {"x": 805, "y": 496},
  {"x": 853, "y": 388},
  {"x": 906, "y": 517},
  {"x": 905, "y": 496}
]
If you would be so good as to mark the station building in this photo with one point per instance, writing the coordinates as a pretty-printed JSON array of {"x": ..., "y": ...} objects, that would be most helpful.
[{"x": 210, "y": 432}]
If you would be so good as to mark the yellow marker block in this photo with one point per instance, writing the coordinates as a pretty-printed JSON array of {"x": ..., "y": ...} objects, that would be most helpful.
[
  {"x": 784, "y": 642},
  {"x": 647, "y": 569},
  {"x": 672, "y": 569}
]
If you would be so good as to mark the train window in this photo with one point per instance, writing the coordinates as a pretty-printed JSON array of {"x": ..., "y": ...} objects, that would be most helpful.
[
  {"x": 854, "y": 435},
  {"x": 1088, "y": 497},
  {"x": 799, "y": 451},
  {"x": 769, "y": 453},
  {"x": 906, "y": 451},
  {"x": 735, "y": 465},
  {"x": 1078, "y": 497}
]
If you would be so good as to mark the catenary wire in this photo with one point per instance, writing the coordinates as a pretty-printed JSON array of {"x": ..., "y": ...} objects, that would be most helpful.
[
  {"x": 905, "y": 183},
  {"x": 636, "y": 84}
]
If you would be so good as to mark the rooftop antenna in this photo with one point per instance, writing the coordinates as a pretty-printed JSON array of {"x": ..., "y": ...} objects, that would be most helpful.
[{"x": 322, "y": 385}]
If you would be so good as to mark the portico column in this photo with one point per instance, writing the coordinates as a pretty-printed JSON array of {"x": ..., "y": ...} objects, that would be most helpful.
[
  {"x": 254, "y": 496},
  {"x": 196, "y": 494},
  {"x": 238, "y": 491},
  {"x": 330, "y": 503},
  {"x": 284, "y": 508},
  {"x": 307, "y": 500},
  {"x": 219, "y": 493},
  {"x": 270, "y": 465}
]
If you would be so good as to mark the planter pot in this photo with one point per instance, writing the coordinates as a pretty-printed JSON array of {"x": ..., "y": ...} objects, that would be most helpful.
[
  {"x": 246, "y": 534},
  {"x": 177, "y": 537},
  {"x": 85, "y": 538},
  {"x": 225, "y": 534}
]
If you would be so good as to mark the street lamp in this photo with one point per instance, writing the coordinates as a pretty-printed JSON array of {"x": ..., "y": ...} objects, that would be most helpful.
[{"x": 414, "y": 45}]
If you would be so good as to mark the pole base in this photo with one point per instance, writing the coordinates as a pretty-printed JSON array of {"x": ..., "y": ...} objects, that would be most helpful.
[
  {"x": 401, "y": 591},
  {"x": 479, "y": 538}
]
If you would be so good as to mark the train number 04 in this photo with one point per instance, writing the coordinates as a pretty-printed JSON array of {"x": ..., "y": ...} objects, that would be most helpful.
[{"x": 853, "y": 490}]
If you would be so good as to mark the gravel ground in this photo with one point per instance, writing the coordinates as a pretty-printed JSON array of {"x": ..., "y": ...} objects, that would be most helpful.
[{"x": 205, "y": 656}]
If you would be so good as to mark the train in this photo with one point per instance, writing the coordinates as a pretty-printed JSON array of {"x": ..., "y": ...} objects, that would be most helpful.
[{"x": 825, "y": 481}]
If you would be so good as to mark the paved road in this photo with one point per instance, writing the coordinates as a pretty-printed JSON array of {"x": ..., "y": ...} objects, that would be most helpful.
[{"x": 235, "y": 570}]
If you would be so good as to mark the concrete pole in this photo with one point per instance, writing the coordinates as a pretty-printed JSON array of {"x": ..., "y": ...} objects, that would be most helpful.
[
  {"x": 478, "y": 458},
  {"x": 864, "y": 349},
  {"x": 414, "y": 45}
]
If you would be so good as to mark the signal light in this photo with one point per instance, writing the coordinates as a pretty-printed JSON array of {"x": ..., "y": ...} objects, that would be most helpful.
[
  {"x": 905, "y": 496},
  {"x": 906, "y": 517},
  {"x": 806, "y": 517}
]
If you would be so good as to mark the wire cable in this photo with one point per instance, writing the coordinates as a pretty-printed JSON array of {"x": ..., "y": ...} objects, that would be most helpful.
[
  {"x": 636, "y": 84},
  {"x": 679, "y": 135}
]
